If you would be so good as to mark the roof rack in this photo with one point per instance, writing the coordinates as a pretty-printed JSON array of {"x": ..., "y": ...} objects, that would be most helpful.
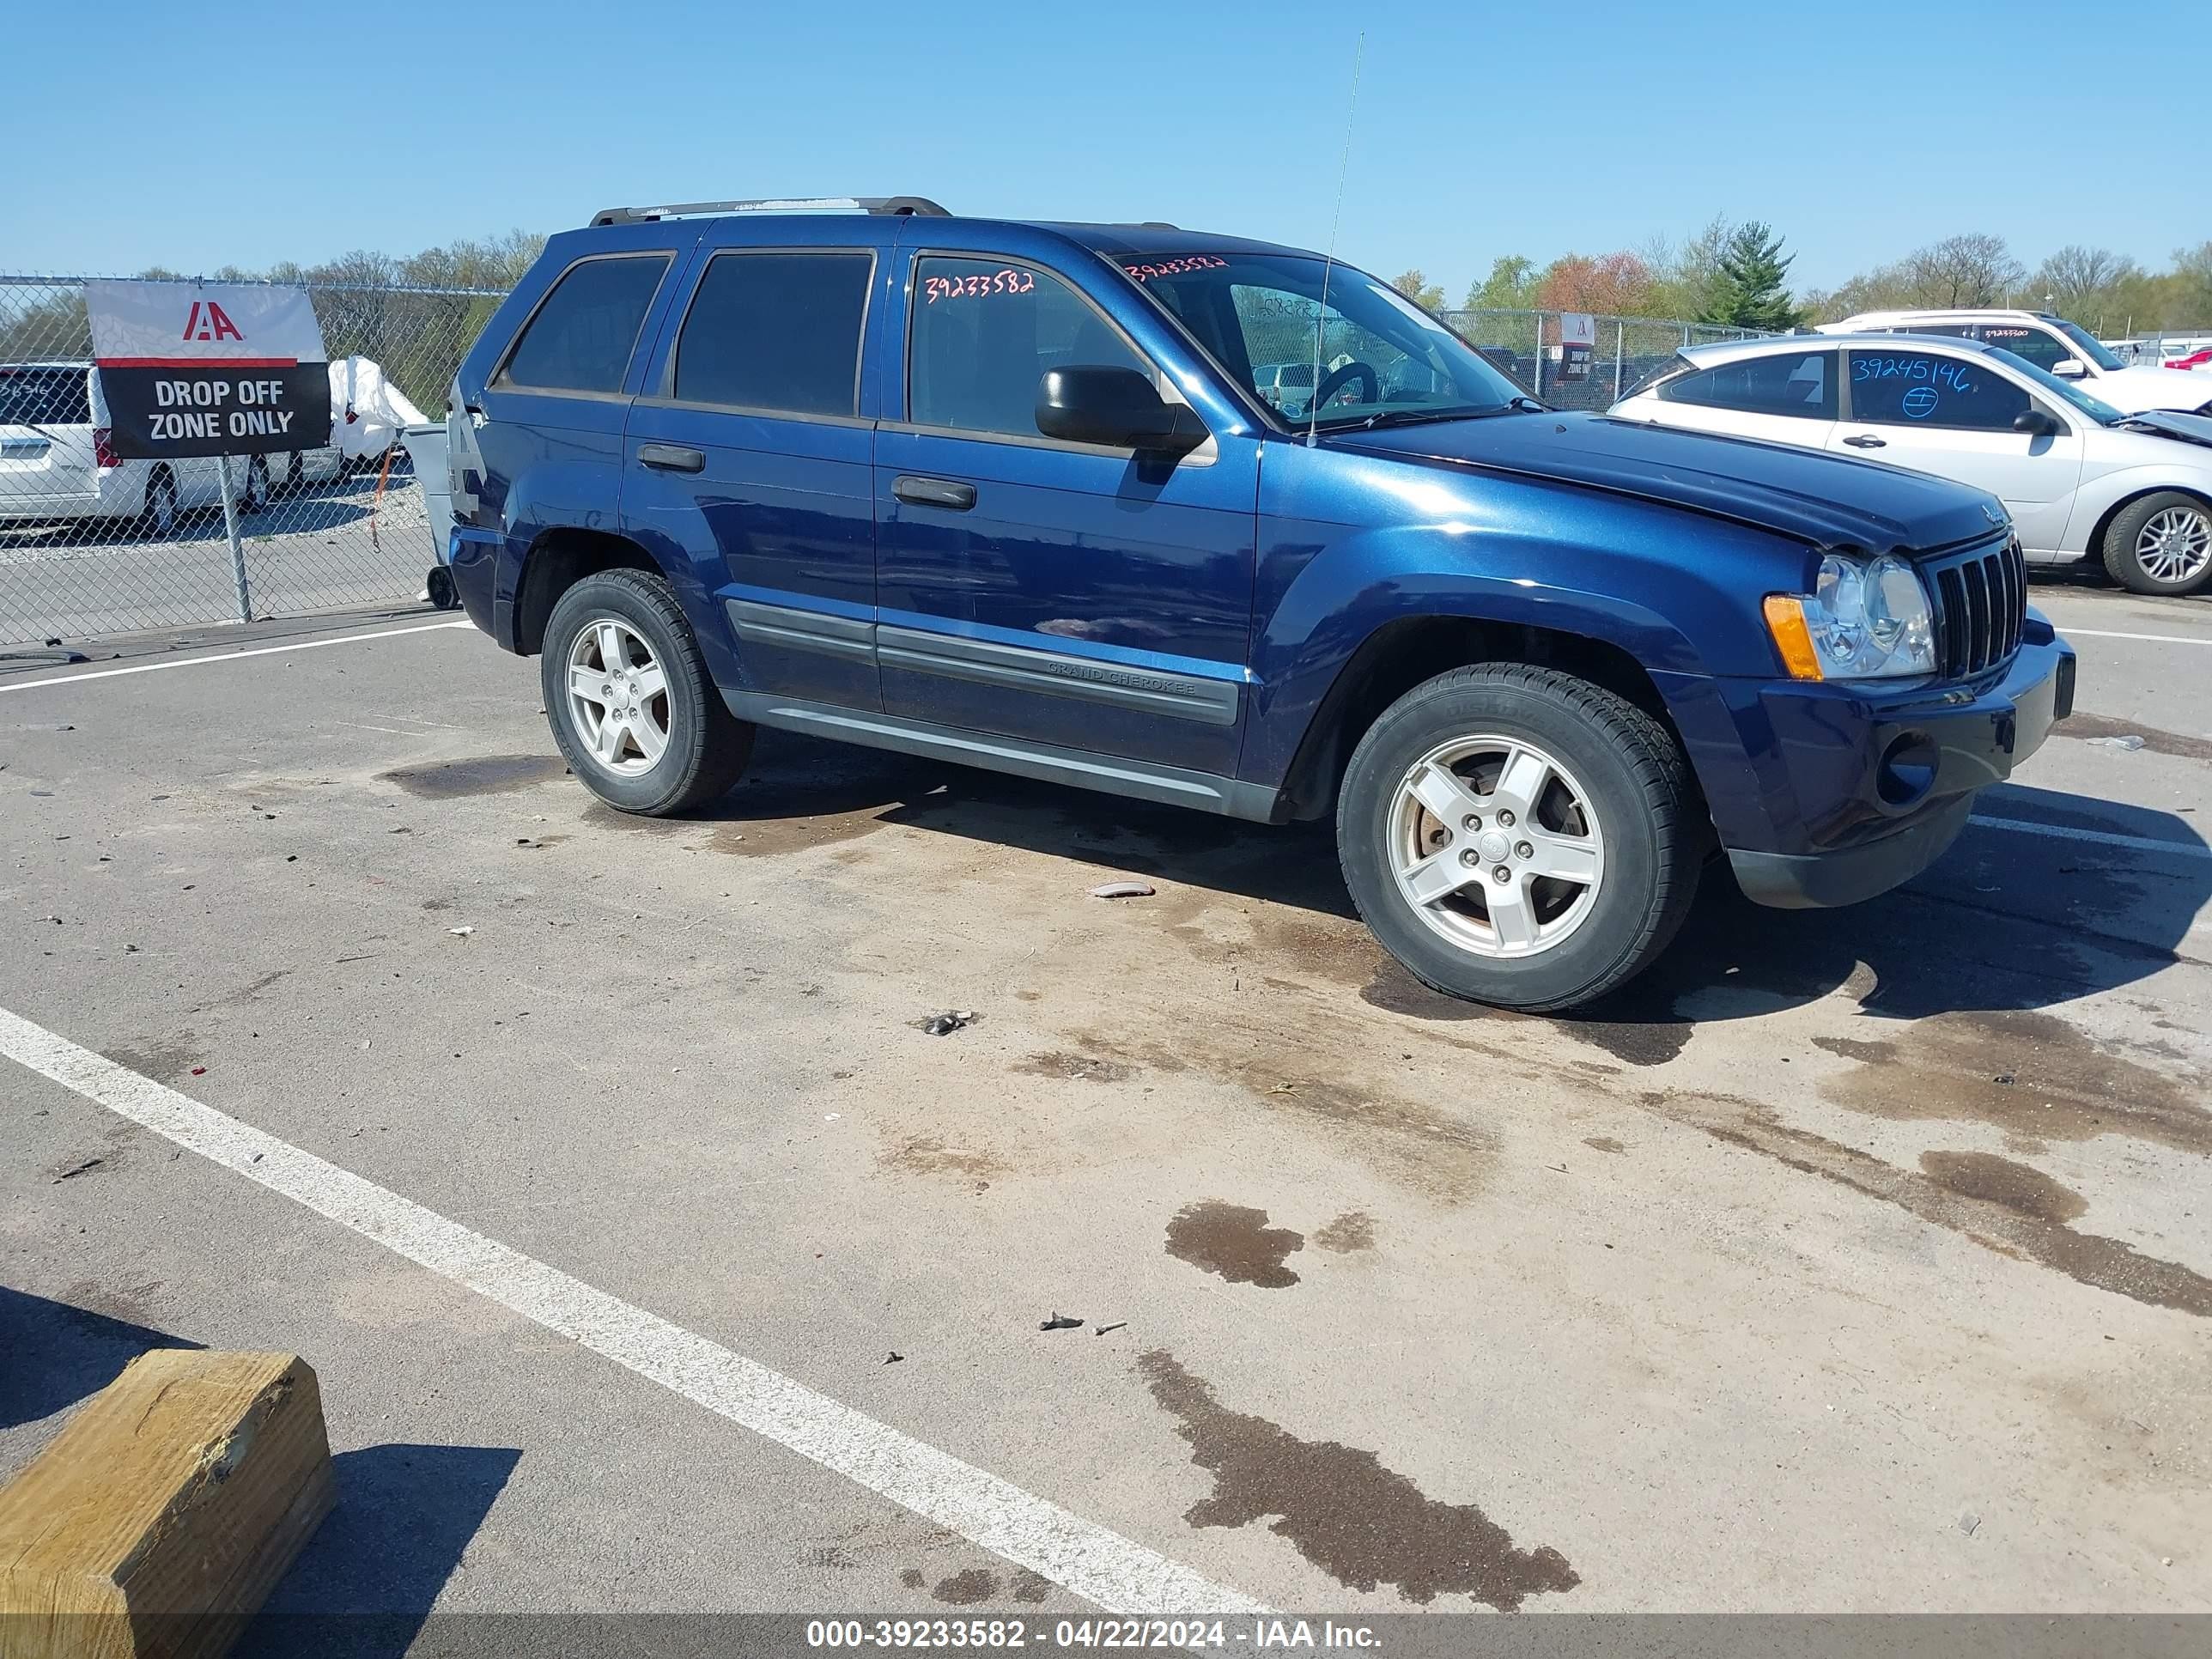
[{"x": 895, "y": 206}]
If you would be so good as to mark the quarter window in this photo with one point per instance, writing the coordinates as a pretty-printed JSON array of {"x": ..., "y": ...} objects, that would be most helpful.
[
  {"x": 985, "y": 333},
  {"x": 581, "y": 338},
  {"x": 776, "y": 332},
  {"x": 1800, "y": 384},
  {"x": 1919, "y": 388}
]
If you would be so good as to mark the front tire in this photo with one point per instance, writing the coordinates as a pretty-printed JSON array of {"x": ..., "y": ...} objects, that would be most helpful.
[
  {"x": 1516, "y": 835},
  {"x": 630, "y": 700},
  {"x": 159, "y": 522},
  {"x": 2161, "y": 545}
]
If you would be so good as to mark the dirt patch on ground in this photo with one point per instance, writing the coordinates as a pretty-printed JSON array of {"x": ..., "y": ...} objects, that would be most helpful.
[
  {"x": 1361, "y": 1524},
  {"x": 486, "y": 774},
  {"x": 1235, "y": 1242},
  {"x": 1604, "y": 1143},
  {"x": 1065, "y": 1067},
  {"x": 2158, "y": 741},
  {"x": 165, "y": 1060},
  {"x": 926, "y": 1155},
  {"x": 2031, "y": 1075},
  {"x": 2001, "y": 1180},
  {"x": 1350, "y": 1232},
  {"x": 1997, "y": 1216}
]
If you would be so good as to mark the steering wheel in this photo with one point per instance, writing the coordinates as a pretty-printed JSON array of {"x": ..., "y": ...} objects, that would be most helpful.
[{"x": 1336, "y": 378}]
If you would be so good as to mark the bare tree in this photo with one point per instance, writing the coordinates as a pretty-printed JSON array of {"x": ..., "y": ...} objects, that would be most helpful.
[
  {"x": 2076, "y": 274},
  {"x": 1975, "y": 269}
]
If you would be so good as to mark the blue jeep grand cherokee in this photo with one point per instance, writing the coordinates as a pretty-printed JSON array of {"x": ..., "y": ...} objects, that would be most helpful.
[{"x": 1008, "y": 494}]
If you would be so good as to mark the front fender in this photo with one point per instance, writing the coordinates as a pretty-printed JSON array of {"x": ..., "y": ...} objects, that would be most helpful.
[
  {"x": 1678, "y": 592},
  {"x": 2096, "y": 499}
]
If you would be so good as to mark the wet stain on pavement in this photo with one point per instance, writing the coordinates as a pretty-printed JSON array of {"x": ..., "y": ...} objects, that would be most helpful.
[
  {"x": 1234, "y": 1241},
  {"x": 2158, "y": 741},
  {"x": 2001, "y": 1180},
  {"x": 164, "y": 1061},
  {"x": 1393, "y": 990},
  {"x": 2031, "y": 1075},
  {"x": 1075, "y": 1067},
  {"x": 2005, "y": 1224},
  {"x": 1363, "y": 1524},
  {"x": 1352, "y": 1231},
  {"x": 966, "y": 1588},
  {"x": 488, "y": 774},
  {"x": 913, "y": 1578}
]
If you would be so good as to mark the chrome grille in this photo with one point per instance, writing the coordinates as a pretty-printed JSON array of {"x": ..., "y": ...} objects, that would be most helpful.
[{"x": 1981, "y": 606}]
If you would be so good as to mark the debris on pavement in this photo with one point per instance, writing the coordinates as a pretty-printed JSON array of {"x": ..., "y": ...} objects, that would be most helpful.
[
  {"x": 1968, "y": 1521},
  {"x": 2128, "y": 741},
  {"x": 1121, "y": 1325},
  {"x": 946, "y": 1023},
  {"x": 1114, "y": 889},
  {"x": 460, "y": 932},
  {"x": 897, "y": 1358},
  {"x": 1059, "y": 1323},
  {"x": 85, "y": 1168}
]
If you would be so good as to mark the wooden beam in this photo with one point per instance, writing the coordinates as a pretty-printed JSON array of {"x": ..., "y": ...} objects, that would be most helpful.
[{"x": 165, "y": 1511}]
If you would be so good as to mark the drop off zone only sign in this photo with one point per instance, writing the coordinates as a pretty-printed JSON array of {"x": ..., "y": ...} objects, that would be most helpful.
[{"x": 209, "y": 369}]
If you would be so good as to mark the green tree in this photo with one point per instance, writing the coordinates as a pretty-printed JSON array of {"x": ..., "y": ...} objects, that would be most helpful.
[
  {"x": 1511, "y": 285},
  {"x": 1429, "y": 295},
  {"x": 1749, "y": 288}
]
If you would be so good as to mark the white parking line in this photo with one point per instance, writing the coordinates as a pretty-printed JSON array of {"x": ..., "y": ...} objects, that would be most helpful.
[
  {"x": 1094, "y": 1563},
  {"x": 231, "y": 656},
  {"x": 2155, "y": 639},
  {"x": 2105, "y": 837}
]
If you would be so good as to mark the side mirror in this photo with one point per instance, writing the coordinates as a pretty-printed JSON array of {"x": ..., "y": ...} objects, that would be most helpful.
[
  {"x": 2035, "y": 424},
  {"x": 2069, "y": 369},
  {"x": 1115, "y": 408}
]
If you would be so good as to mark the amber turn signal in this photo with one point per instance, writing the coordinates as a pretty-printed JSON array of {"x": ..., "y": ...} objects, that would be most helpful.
[{"x": 1785, "y": 620}]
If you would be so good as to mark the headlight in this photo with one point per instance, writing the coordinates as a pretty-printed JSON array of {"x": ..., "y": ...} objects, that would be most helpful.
[{"x": 1862, "y": 622}]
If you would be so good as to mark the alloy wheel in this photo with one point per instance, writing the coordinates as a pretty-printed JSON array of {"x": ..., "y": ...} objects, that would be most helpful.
[
  {"x": 1495, "y": 846},
  {"x": 2175, "y": 543},
  {"x": 618, "y": 695}
]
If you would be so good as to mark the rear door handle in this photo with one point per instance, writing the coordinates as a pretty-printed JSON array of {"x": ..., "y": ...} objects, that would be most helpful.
[
  {"x": 1866, "y": 441},
  {"x": 934, "y": 492},
  {"x": 672, "y": 457}
]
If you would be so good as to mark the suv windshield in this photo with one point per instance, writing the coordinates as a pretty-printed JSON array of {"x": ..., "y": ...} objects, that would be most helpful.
[
  {"x": 2089, "y": 346},
  {"x": 2096, "y": 408},
  {"x": 1379, "y": 356}
]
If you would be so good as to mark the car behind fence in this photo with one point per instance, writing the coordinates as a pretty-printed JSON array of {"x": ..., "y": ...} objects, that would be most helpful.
[
  {"x": 145, "y": 544},
  {"x": 91, "y": 543}
]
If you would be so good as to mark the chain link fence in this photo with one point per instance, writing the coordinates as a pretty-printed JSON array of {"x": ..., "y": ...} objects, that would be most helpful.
[
  {"x": 1527, "y": 346},
  {"x": 89, "y": 548}
]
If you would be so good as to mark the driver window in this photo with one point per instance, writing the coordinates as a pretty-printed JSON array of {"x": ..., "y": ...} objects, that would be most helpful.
[
  {"x": 984, "y": 333},
  {"x": 1918, "y": 388}
]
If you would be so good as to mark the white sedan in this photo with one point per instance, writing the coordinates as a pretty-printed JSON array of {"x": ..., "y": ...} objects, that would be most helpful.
[{"x": 2080, "y": 479}]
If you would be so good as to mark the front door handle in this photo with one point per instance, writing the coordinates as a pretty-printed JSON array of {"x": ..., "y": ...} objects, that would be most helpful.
[
  {"x": 672, "y": 457},
  {"x": 1866, "y": 441},
  {"x": 934, "y": 492}
]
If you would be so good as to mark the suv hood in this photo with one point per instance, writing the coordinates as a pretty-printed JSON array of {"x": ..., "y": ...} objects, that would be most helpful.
[
  {"x": 1826, "y": 501},
  {"x": 2143, "y": 386}
]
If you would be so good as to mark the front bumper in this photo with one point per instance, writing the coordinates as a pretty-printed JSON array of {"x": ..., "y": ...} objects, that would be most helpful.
[{"x": 1873, "y": 788}]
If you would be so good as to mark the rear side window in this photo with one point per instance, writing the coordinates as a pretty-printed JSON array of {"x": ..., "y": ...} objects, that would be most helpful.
[
  {"x": 1802, "y": 384},
  {"x": 581, "y": 337},
  {"x": 1917, "y": 388},
  {"x": 45, "y": 397},
  {"x": 985, "y": 333},
  {"x": 776, "y": 332}
]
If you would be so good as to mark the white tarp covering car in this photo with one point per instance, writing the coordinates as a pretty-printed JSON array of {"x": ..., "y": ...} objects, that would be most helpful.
[{"x": 368, "y": 412}]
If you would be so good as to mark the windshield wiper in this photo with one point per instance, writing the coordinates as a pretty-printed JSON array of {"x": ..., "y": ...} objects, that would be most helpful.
[{"x": 1417, "y": 414}]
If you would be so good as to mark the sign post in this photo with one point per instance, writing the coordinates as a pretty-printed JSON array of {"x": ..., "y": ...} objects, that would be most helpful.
[{"x": 211, "y": 370}]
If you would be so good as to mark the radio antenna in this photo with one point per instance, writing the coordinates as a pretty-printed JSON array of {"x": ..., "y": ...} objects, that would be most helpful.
[{"x": 1329, "y": 261}]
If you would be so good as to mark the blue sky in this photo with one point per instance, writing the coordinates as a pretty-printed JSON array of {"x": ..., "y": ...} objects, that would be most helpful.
[{"x": 194, "y": 135}]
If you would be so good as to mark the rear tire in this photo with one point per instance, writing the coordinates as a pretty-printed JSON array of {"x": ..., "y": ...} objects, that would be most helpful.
[
  {"x": 630, "y": 700},
  {"x": 2160, "y": 545},
  {"x": 159, "y": 522},
  {"x": 1583, "y": 801}
]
